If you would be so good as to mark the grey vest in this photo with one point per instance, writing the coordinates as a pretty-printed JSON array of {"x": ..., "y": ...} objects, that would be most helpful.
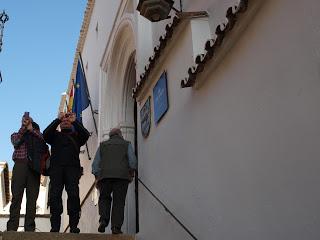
[{"x": 114, "y": 158}]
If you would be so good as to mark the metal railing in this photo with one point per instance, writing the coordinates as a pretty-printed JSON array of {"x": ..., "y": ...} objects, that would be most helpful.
[{"x": 168, "y": 210}]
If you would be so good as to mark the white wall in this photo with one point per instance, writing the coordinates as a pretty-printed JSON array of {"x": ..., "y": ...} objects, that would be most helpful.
[
  {"x": 99, "y": 30},
  {"x": 104, "y": 24},
  {"x": 103, "y": 14},
  {"x": 237, "y": 159}
]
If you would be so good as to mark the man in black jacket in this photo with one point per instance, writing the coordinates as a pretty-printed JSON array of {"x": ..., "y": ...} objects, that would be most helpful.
[{"x": 65, "y": 169}]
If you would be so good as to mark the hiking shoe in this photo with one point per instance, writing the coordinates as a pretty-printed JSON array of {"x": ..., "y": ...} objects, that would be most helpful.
[
  {"x": 29, "y": 230},
  {"x": 102, "y": 227},
  {"x": 116, "y": 230},
  {"x": 75, "y": 230}
]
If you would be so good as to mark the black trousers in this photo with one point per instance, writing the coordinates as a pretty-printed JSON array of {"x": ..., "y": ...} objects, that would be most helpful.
[
  {"x": 67, "y": 177},
  {"x": 23, "y": 178},
  {"x": 118, "y": 188}
]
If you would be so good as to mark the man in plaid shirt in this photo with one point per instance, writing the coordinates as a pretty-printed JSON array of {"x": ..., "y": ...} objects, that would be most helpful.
[{"x": 26, "y": 143}]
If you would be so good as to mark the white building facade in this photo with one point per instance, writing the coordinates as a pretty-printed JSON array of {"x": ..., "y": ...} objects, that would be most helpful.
[{"x": 233, "y": 152}]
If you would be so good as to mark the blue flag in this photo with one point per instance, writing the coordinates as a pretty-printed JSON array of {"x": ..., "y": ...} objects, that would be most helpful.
[{"x": 81, "y": 93}]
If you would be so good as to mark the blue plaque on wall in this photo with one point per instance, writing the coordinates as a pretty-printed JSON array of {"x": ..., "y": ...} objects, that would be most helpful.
[
  {"x": 145, "y": 118},
  {"x": 160, "y": 98}
]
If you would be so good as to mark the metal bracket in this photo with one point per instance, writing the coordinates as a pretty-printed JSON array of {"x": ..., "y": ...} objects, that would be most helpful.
[{"x": 186, "y": 15}]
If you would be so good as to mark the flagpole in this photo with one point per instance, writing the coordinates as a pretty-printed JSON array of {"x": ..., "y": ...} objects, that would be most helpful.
[
  {"x": 88, "y": 151},
  {"x": 89, "y": 157},
  {"x": 85, "y": 79}
]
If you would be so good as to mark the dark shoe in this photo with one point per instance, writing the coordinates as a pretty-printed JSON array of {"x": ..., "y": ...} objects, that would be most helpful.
[
  {"x": 102, "y": 227},
  {"x": 55, "y": 221},
  {"x": 116, "y": 230},
  {"x": 29, "y": 230},
  {"x": 75, "y": 230}
]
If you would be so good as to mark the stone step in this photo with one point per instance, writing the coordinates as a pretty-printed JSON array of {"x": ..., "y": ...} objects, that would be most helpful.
[{"x": 61, "y": 236}]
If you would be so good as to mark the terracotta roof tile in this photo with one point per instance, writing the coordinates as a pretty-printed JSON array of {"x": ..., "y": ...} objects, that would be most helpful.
[
  {"x": 163, "y": 40},
  {"x": 213, "y": 44}
]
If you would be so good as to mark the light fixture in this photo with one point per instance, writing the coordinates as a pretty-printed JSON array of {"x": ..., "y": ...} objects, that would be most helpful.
[
  {"x": 155, "y": 10},
  {"x": 3, "y": 18}
]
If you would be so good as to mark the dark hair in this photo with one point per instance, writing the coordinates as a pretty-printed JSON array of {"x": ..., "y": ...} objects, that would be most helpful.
[{"x": 35, "y": 126}]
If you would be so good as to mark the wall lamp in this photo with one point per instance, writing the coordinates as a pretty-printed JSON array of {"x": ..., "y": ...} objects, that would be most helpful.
[
  {"x": 158, "y": 10},
  {"x": 3, "y": 18}
]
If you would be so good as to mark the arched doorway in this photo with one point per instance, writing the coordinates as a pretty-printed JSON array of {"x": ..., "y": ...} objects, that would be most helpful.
[
  {"x": 129, "y": 129},
  {"x": 117, "y": 105}
]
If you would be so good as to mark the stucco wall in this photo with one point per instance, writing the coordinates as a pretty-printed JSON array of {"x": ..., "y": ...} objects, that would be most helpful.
[
  {"x": 104, "y": 24},
  {"x": 99, "y": 29},
  {"x": 237, "y": 159},
  {"x": 98, "y": 34}
]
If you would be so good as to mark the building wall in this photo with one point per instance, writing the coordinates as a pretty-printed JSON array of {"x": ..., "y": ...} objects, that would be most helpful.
[
  {"x": 98, "y": 33},
  {"x": 236, "y": 158},
  {"x": 91, "y": 55},
  {"x": 102, "y": 28}
]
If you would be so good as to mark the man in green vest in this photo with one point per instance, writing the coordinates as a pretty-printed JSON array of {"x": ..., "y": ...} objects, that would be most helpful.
[{"x": 113, "y": 167}]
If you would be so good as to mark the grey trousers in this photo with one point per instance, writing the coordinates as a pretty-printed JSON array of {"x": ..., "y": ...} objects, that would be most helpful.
[{"x": 23, "y": 178}]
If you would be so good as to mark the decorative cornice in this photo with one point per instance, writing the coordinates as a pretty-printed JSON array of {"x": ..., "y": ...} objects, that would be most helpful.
[
  {"x": 163, "y": 40},
  {"x": 213, "y": 45}
]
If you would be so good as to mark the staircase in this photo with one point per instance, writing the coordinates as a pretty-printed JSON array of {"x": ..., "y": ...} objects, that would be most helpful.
[{"x": 61, "y": 236}]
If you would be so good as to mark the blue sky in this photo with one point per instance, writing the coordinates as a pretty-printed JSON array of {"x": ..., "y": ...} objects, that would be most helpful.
[{"x": 39, "y": 44}]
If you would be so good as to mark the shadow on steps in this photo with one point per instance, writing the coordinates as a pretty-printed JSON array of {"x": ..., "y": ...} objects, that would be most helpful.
[{"x": 62, "y": 236}]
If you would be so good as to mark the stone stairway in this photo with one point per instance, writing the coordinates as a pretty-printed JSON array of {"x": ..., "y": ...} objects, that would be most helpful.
[{"x": 61, "y": 236}]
